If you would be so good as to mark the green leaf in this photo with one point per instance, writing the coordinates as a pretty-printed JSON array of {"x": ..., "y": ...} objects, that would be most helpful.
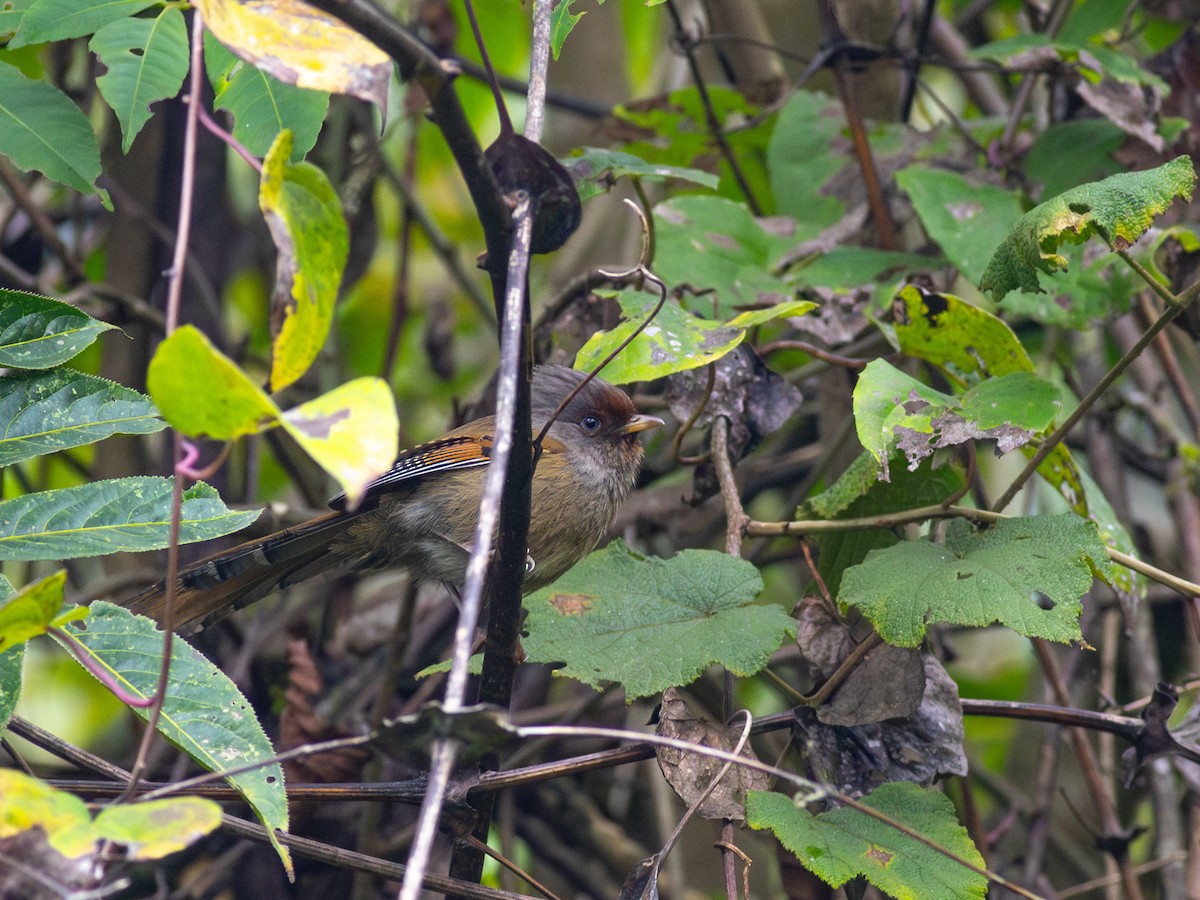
[
  {"x": 675, "y": 341},
  {"x": 848, "y": 267},
  {"x": 844, "y": 843},
  {"x": 12, "y": 668},
  {"x": 37, "y": 332},
  {"x": 147, "y": 60},
  {"x": 43, "y": 412},
  {"x": 261, "y": 105},
  {"x": 40, "y": 128},
  {"x": 562, "y": 22},
  {"x": 859, "y": 493},
  {"x": 1068, "y": 154},
  {"x": 11, "y": 14},
  {"x": 351, "y": 431},
  {"x": 949, "y": 332},
  {"x": 967, "y": 220},
  {"x": 203, "y": 713},
  {"x": 1026, "y": 573},
  {"x": 312, "y": 243},
  {"x": 157, "y": 828},
  {"x": 231, "y": 405},
  {"x": 893, "y": 411},
  {"x": 596, "y": 170},
  {"x": 650, "y": 623},
  {"x": 802, "y": 156},
  {"x": 129, "y": 514},
  {"x": 713, "y": 244},
  {"x": 56, "y": 20},
  {"x": 31, "y": 611},
  {"x": 1118, "y": 209}
]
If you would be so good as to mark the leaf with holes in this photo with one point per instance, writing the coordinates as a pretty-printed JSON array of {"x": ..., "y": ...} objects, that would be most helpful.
[
  {"x": 1118, "y": 209},
  {"x": 1028, "y": 574}
]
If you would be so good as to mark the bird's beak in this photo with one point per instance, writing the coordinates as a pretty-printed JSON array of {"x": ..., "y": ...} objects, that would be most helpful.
[{"x": 640, "y": 423}]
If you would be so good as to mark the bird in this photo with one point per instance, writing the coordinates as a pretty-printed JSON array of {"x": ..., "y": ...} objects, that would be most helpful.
[{"x": 421, "y": 514}]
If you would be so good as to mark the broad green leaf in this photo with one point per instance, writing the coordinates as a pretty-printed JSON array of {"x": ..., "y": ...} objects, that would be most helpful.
[
  {"x": 1118, "y": 209},
  {"x": 596, "y": 170},
  {"x": 803, "y": 156},
  {"x": 43, "y": 412},
  {"x": 562, "y": 22},
  {"x": 129, "y": 514},
  {"x": 12, "y": 668},
  {"x": 1068, "y": 154},
  {"x": 230, "y": 404},
  {"x": 312, "y": 243},
  {"x": 147, "y": 60},
  {"x": 859, "y": 493},
  {"x": 965, "y": 219},
  {"x": 844, "y": 843},
  {"x": 300, "y": 45},
  {"x": 34, "y": 609},
  {"x": 27, "y": 802},
  {"x": 713, "y": 244},
  {"x": 1027, "y": 573},
  {"x": 56, "y": 20},
  {"x": 203, "y": 713},
  {"x": 40, "y": 128},
  {"x": 846, "y": 267},
  {"x": 650, "y": 623},
  {"x": 351, "y": 431},
  {"x": 893, "y": 411},
  {"x": 262, "y": 106},
  {"x": 11, "y": 14},
  {"x": 37, "y": 332},
  {"x": 675, "y": 341},
  {"x": 158, "y": 828}
]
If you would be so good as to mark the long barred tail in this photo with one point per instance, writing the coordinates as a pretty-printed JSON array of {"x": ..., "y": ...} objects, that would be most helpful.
[{"x": 216, "y": 586}]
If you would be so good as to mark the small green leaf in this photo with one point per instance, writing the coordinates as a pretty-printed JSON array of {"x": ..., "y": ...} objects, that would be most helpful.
[
  {"x": 157, "y": 828},
  {"x": 1118, "y": 209},
  {"x": 30, "y": 612},
  {"x": 147, "y": 60},
  {"x": 1028, "y": 574},
  {"x": 38, "y": 333},
  {"x": 312, "y": 243},
  {"x": 41, "y": 129},
  {"x": 752, "y": 318},
  {"x": 844, "y": 843},
  {"x": 596, "y": 170},
  {"x": 129, "y": 514},
  {"x": 261, "y": 105},
  {"x": 562, "y": 21},
  {"x": 351, "y": 431},
  {"x": 203, "y": 714},
  {"x": 803, "y": 156},
  {"x": 57, "y": 20},
  {"x": 229, "y": 406},
  {"x": 649, "y": 623},
  {"x": 893, "y": 411},
  {"x": 675, "y": 341},
  {"x": 43, "y": 412}
]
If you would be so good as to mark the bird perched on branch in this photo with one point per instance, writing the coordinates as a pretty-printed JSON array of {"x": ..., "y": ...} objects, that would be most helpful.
[{"x": 421, "y": 514}]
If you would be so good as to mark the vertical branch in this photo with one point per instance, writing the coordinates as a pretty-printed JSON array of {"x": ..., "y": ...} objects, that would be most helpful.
[
  {"x": 183, "y": 229},
  {"x": 445, "y": 749}
]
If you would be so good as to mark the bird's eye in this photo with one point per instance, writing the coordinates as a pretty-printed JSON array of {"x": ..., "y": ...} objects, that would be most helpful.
[{"x": 590, "y": 424}]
